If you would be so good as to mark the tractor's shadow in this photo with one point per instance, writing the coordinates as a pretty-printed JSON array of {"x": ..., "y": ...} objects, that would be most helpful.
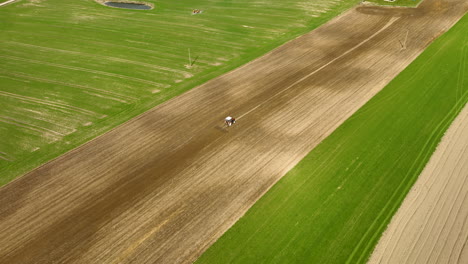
[{"x": 223, "y": 129}]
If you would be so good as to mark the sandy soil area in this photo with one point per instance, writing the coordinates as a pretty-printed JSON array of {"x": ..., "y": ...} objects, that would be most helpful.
[
  {"x": 164, "y": 186},
  {"x": 431, "y": 226}
]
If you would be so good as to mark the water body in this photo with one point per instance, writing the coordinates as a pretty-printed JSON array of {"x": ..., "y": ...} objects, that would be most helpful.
[{"x": 128, "y": 5}]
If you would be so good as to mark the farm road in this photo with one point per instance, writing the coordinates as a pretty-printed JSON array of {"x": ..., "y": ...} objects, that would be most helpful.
[{"x": 164, "y": 186}]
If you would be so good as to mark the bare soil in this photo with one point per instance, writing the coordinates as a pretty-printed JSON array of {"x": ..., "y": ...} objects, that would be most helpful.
[
  {"x": 431, "y": 226},
  {"x": 164, "y": 186}
]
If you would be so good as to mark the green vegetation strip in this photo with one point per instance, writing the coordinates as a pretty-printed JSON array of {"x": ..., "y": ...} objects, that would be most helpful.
[
  {"x": 72, "y": 70},
  {"x": 335, "y": 204},
  {"x": 405, "y": 3}
]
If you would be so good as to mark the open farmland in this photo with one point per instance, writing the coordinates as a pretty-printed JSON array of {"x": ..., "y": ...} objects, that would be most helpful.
[
  {"x": 71, "y": 70},
  {"x": 333, "y": 206},
  {"x": 165, "y": 185}
]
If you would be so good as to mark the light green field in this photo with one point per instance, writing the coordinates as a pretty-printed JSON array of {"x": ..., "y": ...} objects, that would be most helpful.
[
  {"x": 71, "y": 70},
  {"x": 408, "y": 3},
  {"x": 335, "y": 204}
]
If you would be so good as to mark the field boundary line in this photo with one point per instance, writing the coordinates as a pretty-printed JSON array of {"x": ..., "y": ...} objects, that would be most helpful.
[{"x": 7, "y": 2}]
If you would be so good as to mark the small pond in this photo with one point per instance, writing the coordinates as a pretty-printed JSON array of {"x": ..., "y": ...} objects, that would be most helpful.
[{"x": 128, "y": 5}]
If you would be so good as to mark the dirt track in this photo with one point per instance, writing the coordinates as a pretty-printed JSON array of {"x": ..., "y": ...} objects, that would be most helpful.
[
  {"x": 164, "y": 186},
  {"x": 7, "y": 2},
  {"x": 431, "y": 225}
]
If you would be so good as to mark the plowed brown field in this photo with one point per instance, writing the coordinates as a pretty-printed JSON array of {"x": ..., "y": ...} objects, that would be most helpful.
[{"x": 164, "y": 186}]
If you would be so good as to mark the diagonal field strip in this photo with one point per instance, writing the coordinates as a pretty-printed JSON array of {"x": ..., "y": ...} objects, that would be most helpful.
[
  {"x": 420, "y": 215},
  {"x": 120, "y": 189},
  {"x": 392, "y": 20},
  {"x": 442, "y": 181}
]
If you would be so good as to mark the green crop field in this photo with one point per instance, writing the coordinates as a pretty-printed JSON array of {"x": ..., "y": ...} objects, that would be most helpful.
[
  {"x": 335, "y": 204},
  {"x": 71, "y": 70},
  {"x": 408, "y": 3}
]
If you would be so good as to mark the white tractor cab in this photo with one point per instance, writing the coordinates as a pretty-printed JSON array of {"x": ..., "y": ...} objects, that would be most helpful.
[{"x": 230, "y": 121}]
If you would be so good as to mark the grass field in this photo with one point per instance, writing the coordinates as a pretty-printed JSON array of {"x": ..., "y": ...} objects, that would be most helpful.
[
  {"x": 408, "y": 3},
  {"x": 71, "y": 70},
  {"x": 335, "y": 204}
]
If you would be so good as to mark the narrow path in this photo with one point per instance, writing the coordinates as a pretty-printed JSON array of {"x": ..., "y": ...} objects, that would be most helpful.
[{"x": 7, "y": 2}]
